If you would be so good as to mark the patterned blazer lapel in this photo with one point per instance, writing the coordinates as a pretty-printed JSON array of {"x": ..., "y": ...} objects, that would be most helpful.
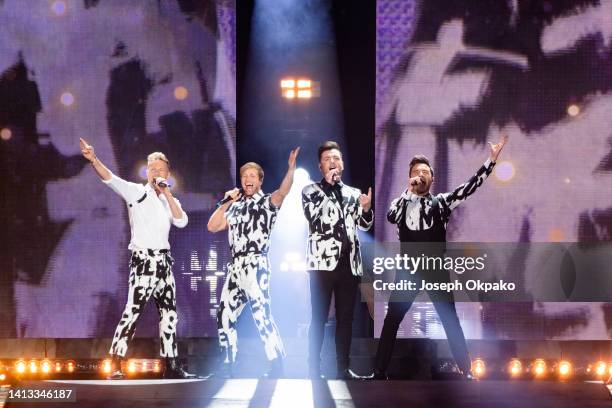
[{"x": 333, "y": 198}]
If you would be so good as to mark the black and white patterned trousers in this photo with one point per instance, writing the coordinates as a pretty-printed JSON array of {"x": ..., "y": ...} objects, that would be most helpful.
[
  {"x": 150, "y": 275},
  {"x": 248, "y": 280}
]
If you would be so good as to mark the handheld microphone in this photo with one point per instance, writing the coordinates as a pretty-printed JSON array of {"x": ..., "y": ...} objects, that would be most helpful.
[
  {"x": 162, "y": 183},
  {"x": 229, "y": 198},
  {"x": 336, "y": 176},
  {"x": 416, "y": 183}
]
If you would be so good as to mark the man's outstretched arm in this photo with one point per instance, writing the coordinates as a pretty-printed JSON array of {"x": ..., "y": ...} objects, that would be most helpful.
[
  {"x": 461, "y": 193},
  {"x": 279, "y": 195},
  {"x": 88, "y": 152}
]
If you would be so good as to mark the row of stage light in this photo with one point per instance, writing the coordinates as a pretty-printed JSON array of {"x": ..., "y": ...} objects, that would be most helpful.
[
  {"x": 541, "y": 369},
  {"x": 51, "y": 368},
  {"x": 514, "y": 369}
]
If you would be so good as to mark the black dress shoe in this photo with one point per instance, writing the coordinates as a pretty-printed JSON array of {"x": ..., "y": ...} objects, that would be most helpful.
[
  {"x": 175, "y": 371},
  {"x": 347, "y": 374},
  {"x": 276, "y": 369},
  {"x": 116, "y": 372},
  {"x": 378, "y": 375}
]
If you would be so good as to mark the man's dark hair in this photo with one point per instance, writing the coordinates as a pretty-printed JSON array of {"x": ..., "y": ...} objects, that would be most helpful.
[
  {"x": 329, "y": 145},
  {"x": 418, "y": 159}
]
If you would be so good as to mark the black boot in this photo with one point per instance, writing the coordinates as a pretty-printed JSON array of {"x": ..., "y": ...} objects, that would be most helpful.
[
  {"x": 276, "y": 369},
  {"x": 116, "y": 371},
  {"x": 175, "y": 371}
]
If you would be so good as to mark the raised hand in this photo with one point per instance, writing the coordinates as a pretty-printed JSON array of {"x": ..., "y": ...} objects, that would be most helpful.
[
  {"x": 293, "y": 157},
  {"x": 87, "y": 150},
  {"x": 497, "y": 148},
  {"x": 366, "y": 200}
]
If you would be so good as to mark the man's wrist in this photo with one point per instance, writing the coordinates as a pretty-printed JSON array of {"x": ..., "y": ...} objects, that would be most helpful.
[{"x": 94, "y": 160}]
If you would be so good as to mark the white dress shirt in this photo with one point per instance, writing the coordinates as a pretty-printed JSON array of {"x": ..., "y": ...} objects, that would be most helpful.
[{"x": 149, "y": 213}]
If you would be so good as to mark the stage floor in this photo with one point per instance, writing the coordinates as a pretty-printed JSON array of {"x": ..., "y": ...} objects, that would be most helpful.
[{"x": 304, "y": 393}]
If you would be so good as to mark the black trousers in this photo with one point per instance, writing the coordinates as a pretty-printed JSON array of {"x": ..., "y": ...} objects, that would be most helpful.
[
  {"x": 343, "y": 285},
  {"x": 400, "y": 303}
]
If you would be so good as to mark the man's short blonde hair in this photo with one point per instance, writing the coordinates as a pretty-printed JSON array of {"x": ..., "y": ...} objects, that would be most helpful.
[
  {"x": 252, "y": 165},
  {"x": 157, "y": 156}
]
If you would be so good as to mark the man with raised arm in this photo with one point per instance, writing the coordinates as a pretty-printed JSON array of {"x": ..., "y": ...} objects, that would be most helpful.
[
  {"x": 249, "y": 215},
  {"x": 421, "y": 217},
  {"x": 152, "y": 210}
]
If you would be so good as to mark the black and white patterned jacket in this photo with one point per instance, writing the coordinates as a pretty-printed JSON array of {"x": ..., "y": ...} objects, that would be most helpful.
[
  {"x": 326, "y": 218},
  {"x": 250, "y": 221},
  {"x": 418, "y": 210}
]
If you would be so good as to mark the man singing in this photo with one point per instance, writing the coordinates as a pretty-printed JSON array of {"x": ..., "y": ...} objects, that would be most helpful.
[
  {"x": 152, "y": 209},
  {"x": 334, "y": 211},
  {"x": 422, "y": 218},
  {"x": 250, "y": 216}
]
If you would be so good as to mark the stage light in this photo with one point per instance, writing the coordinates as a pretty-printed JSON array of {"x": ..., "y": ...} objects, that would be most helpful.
[
  {"x": 556, "y": 235},
  {"x": 287, "y": 83},
  {"x": 565, "y": 369},
  {"x": 515, "y": 368},
  {"x": 142, "y": 170},
  {"x": 20, "y": 367},
  {"x": 302, "y": 88},
  {"x": 304, "y": 94},
  {"x": 58, "y": 8},
  {"x": 106, "y": 366},
  {"x": 131, "y": 366},
  {"x": 599, "y": 369},
  {"x": 144, "y": 366},
  {"x": 58, "y": 367},
  {"x": 33, "y": 367},
  {"x": 45, "y": 366},
  {"x": 67, "y": 99},
  {"x": 156, "y": 366},
  {"x": 505, "y": 171},
  {"x": 180, "y": 93},
  {"x": 573, "y": 110},
  {"x": 2, "y": 377},
  {"x": 478, "y": 368},
  {"x": 6, "y": 134},
  {"x": 539, "y": 368},
  {"x": 70, "y": 366}
]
